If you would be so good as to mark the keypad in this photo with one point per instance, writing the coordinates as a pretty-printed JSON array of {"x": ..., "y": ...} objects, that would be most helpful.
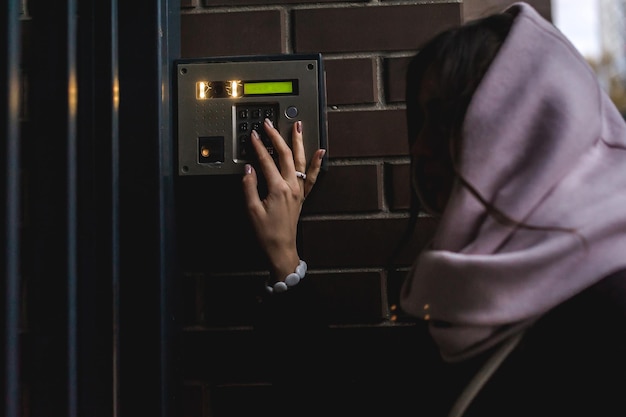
[{"x": 250, "y": 117}]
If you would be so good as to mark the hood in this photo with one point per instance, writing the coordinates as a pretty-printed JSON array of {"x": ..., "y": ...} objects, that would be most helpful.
[{"x": 543, "y": 144}]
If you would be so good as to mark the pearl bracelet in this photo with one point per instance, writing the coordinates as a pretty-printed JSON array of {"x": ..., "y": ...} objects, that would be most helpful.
[{"x": 291, "y": 280}]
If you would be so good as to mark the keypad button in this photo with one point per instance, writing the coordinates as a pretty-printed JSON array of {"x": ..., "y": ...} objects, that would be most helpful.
[{"x": 251, "y": 117}]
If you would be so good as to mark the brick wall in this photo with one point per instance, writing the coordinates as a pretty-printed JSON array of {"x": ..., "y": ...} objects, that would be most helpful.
[{"x": 236, "y": 347}]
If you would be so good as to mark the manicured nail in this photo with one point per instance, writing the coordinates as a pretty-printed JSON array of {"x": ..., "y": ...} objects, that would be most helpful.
[
  {"x": 299, "y": 126},
  {"x": 269, "y": 122},
  {"x": 248, "y": 169},
  {"x": 322, "y": 153},
  {"x": 254, "y": 134}
]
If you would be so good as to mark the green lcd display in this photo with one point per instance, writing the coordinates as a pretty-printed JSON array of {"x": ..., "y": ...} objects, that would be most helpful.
[{"x": 264, "y": 88}]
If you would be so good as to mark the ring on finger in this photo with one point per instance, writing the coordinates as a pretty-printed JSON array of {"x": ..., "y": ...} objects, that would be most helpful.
[{"x": 301, "y": 175}]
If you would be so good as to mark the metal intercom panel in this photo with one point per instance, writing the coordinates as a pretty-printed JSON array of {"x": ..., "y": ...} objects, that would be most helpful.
[{"x": 221, "y": 100}]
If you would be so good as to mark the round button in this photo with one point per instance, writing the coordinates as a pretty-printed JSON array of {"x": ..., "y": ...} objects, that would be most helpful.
[{"x": 291, "y": 112}]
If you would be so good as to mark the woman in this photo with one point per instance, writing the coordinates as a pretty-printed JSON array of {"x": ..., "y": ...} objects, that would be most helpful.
[{"x": 523, "y": 156}]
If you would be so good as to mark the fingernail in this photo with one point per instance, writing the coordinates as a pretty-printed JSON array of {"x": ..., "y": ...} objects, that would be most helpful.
[
  {"x": 299, "y": 126},
  {"x": 269, "y": 122},
  {"x": 248, "y": 169},
  {"x": 322, "y": 153},
  {"x": 254, "y": 134}
]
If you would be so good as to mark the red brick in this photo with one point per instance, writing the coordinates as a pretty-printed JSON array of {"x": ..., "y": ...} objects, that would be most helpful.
[
  {"x": 234, "y": 33},
  {"x": 348, "y": 243},
  {"x": 371, "y": 28},
  {"x": 351, "y": 81},
  {"x": 395, "y": 79},
  {"x": 399, "y": 183},
  {"x": 344, "y": 189},
  {"x": 351, "y": 297},
  {"x": 367, "y": 133}
]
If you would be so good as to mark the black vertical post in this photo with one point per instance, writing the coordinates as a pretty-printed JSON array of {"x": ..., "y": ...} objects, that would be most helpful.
[
  {"x": 148, "y": 44},
  {"x": 10, "y": 212},
  {"x": 49, "y": 152},
  {"x": 98, "y": 165},
  {"x": 69, "y": 233}
]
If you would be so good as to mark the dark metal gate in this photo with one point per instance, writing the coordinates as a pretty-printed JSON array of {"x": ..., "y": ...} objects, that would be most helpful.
[{"x": 87, "y": 214}]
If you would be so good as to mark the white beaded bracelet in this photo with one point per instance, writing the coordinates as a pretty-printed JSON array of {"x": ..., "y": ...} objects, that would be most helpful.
[{"x": 291, "y": 280}]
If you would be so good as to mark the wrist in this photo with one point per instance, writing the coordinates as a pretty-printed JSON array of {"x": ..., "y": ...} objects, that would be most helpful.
[{"x": 284, "y": 265}]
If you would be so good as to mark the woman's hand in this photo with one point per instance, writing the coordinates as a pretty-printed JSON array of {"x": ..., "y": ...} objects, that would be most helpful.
[{"x": 275, "y": 219}]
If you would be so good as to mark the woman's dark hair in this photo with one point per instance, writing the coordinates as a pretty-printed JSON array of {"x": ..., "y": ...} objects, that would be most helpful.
[{"x": 457, "y": 59}]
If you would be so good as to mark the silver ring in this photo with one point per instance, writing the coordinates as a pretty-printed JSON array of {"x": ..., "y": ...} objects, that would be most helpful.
[{"x": 301, "y": 175}]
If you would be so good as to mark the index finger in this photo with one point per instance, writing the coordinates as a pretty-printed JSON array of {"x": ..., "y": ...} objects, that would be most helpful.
[{"x": 266, "y": 162}]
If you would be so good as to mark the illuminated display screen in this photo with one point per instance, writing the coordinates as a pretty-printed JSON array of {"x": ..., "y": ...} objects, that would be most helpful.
[
  {"x": 263, "y": 88},
  {"x": 235, "y": 88}
]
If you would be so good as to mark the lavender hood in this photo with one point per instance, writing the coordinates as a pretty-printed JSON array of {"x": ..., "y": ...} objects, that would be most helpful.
[{"x": 546, "y": 146}]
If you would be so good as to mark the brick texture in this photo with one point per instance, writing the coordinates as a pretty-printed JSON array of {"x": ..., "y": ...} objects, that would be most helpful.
[
  {"x": 399, "y": 190},
  {"x": 351, "y": 81},
  {"x": 236, "y": 33},
  {"x": 394, "y": 75},
  {"x": 347, "y": 189},
  {"x": 353, "y": 243},
  {"x": 353, "y": 29},
  {"x": 372, "y": 133}
]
